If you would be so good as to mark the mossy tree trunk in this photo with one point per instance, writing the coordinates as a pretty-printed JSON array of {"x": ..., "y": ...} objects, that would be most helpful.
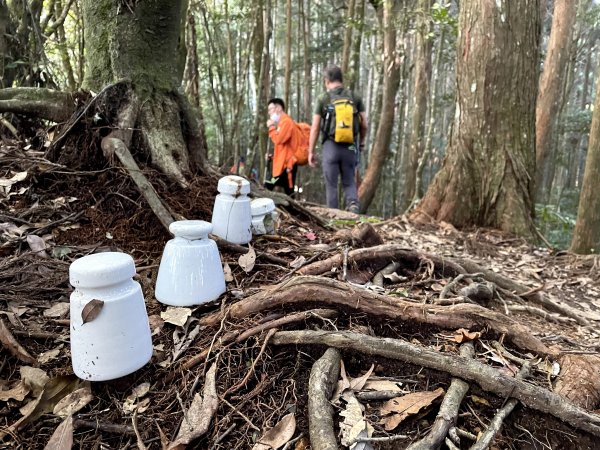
[
  {"x": 141, "y": 42},
  {"x": 487, "y": 177}
]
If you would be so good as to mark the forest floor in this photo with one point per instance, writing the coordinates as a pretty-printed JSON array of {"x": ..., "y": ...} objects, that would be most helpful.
[{"x": 514, "y": 302}]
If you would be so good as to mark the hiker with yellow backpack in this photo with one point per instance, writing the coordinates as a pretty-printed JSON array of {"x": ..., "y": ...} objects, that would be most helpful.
[
  {"x": 340, "y": 117},
  {"x": 290, "y": 141}
]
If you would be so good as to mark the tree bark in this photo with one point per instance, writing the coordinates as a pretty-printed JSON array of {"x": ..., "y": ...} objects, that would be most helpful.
[
  {"x": 421, "y": 96},
  {"x": 348, "y": 36},
  {"x": 586, "y": 236},
  {"x": 487, "y": 175},
  {"x": 391, "y": 81},
  {"x": 551, "y": 81},
  {"x": 288, "y": 55},
  {"x": 118, "y": 40}
]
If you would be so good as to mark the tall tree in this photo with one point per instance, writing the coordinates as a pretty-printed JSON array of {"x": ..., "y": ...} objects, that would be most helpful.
[
  {"x": 288, "y": 53},
  {"x": 551, "y": 83},
  {"x": 586, "y": 236},
  {"x": 348, "y": 36},
  {"x": 487, "y": 175},
  {"x": 422, "y": 78},
  {"x": 391, "y": 81}
]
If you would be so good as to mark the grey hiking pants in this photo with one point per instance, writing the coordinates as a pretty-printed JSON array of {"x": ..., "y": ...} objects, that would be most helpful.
[{"x": 339, "y": 160}]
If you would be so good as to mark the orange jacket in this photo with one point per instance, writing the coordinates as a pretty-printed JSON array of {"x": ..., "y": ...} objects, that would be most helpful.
[{"x": 284, "y": 140}]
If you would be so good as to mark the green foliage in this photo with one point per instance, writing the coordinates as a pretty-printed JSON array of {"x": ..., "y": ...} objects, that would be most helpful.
[
  {"x": 556, "y": 226},
  {"x": 441, "y": 15}
]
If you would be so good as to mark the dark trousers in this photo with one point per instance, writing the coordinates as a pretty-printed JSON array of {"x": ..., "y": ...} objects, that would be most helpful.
[
  {"x": 338, "y": 160},
  {"x": 282, "y": 181}
]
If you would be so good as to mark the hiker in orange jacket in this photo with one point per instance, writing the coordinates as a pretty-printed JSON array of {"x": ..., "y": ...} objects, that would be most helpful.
[{"x": 281, "y": 131}]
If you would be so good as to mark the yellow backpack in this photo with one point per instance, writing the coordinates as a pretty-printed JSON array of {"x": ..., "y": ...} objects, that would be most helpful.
[{"x": 341, "y": 119}]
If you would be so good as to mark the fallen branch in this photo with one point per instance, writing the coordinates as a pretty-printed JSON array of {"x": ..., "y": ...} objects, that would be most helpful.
[
  {"x": 488, "y": 378},
  {"x": 448, "y": 413},
  {"x": 323, "y": 378},
  {"x": 236, "y": 248},
  {"x": 312, "y": 291},
  {"x": 493, "y": 429}
]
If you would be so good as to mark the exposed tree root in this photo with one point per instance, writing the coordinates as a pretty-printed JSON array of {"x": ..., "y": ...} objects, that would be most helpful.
[
  {"x": 579, "y": 380},
  {"x": 378, "y": 257},
  {"x": 448, "y": 413},
  {"x": 43, "y": 103},
  {"x": 116, "y": 144},
  {"x": 323, "y": 378},
  {"x": 488, "y": 378},
  {"x": 308, "y": 292},
  {"x": 495, "y": 425}
]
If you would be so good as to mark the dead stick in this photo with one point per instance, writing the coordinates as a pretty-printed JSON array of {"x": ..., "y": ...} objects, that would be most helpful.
[
  {"x": 448, "y": 413},
  {"x": 494, "y": 428},
  {"x": 242, "y": 383},
  {"x": 488, "y": 378},
  {"x": 103, "y": 426},
  {"x": 323, "y": 377}
]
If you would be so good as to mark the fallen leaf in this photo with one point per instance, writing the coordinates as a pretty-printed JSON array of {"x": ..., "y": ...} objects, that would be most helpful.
[
  {"x": 62, "y": 438},
  {"x": 480, "y": 401},
  {"x": 131, "y": 404},
  {"x": 176, "y": 315},
  {"x": 199, "y": 415},
  {"x": 463, "y": 335},
  {"x": 298, "y": 262},
  {"x": 60, "y": 251},
  {"x": 156, "y": 324},
  {"x": 59, "y": 309},
  {"x": 382, "y": 385},
  {"x": 227, "y": 273},
  {"x": 48, "y": 356},
  {"x": 37, "y": 245},
  {"x": 34, "y": 378},
  {"x": 18, "y": 393},
  {"x": 354, "y": 423},
  {"x": 12, "y": 345},
  {"x": 279, "y": 435},
  {"x": 437, "y": 287},
  {"x": 56, "y": 389},
  {"x": 91, "y": 310},
  {"x": 356, "y": 384},
  {"x": 74, "y": 402},
  {"x": 6, "y": 183},
  {"x": 310, "y": 236},
  {"x": 247, "y": 260},
  {"x": 394, "y": 277},
  {"x": 400, "y": 408}
]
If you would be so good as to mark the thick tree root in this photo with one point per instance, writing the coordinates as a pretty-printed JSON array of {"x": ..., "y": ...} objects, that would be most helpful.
[
  {"x": 493, "y": 429},
  {"x": 448, "y": 413},
  {"x": 308, "y": 292},
  {"x": 579, "y": 380},
  {"x": 323, "y": 378},
  {"x": 116, "y": 144},
  {"x": 380, "y": 256},
  {"x": 48, "y": 104},
  {"x": 467, "y": 369}
]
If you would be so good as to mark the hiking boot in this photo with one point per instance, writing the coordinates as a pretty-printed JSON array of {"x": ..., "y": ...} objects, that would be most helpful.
[{"x": 354, "y": 208}]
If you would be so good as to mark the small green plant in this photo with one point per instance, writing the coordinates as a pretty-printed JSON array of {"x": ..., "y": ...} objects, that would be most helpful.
[{"x": 557, "y": 227}]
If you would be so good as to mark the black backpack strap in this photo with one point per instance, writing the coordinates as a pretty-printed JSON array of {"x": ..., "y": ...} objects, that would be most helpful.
[{"x": 326, "y": 123}]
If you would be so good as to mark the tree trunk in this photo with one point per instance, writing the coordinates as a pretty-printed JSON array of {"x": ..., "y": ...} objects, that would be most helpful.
[
  {"x": 288, "y": 54},
  {"x": 486, "y": 177},
  {"x": 551, "y": 82},
  {"x": 586, "y": 236},
  {"x": 391, "y": 81},
  {"x": 117, "y": 40},
  {"x": 353, "y": 75},
  {"x": 307, "y": 108},
  {"x": 421, "y": 96},
  {"x": 348, "y": 36}
]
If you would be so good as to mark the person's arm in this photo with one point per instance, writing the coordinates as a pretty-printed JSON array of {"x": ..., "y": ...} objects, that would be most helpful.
[
  {"x": 312, "y": 141},
  {"x": 283, "y": 133}
]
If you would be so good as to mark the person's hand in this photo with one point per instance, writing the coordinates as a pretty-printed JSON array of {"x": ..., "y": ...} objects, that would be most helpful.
[
  {"x": 268, "y": 157},
  {"x": 312, "y": 159},
  {"x": 270, "y": 123}
]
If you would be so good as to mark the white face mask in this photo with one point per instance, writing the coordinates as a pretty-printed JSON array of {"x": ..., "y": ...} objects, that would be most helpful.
[{"x": 275, "y": 117}]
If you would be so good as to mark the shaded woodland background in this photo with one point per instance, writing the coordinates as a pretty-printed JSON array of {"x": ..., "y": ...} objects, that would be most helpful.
[{"x": 239, "y": 54}]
